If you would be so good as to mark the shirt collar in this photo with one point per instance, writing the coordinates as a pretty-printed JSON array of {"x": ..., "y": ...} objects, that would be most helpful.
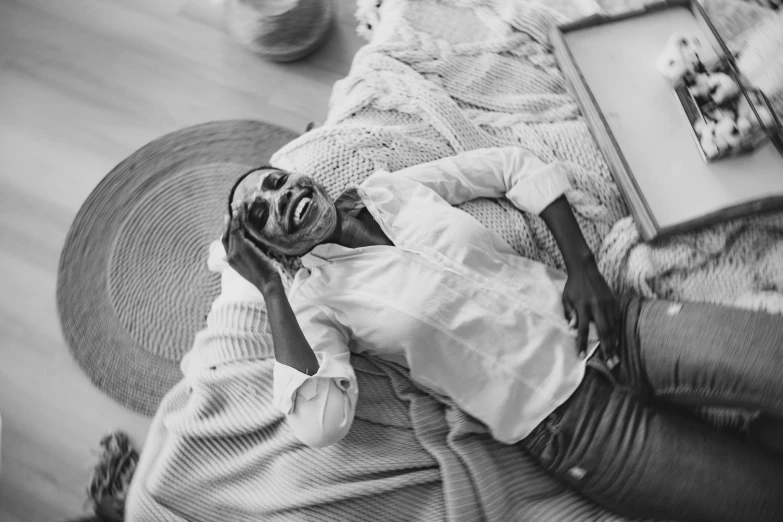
[
  {"x": 324, "y": 254},
  {"x": 350, "y": 200}
]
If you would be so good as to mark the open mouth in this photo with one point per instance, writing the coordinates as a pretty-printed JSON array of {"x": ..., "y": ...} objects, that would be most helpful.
[{"x": 299, "y": 210}]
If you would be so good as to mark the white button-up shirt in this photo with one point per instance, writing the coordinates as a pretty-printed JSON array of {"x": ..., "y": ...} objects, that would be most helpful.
[{"x": 451, "y": 300}]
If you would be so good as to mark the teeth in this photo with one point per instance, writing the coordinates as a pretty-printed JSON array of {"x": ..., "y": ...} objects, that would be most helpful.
[{"x": 300, "y": 210}]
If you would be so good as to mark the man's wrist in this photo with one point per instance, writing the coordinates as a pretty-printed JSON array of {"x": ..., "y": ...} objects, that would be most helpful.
[
  {"x": 580, "y": 260},
  {"x": 271, "y": 286}
]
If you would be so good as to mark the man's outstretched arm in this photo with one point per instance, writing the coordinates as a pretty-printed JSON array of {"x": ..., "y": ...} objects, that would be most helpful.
[
  {"x": 529, "y": 183},
  {"x": 537, "y": 187},
  {"x": 586, "y": 297}
]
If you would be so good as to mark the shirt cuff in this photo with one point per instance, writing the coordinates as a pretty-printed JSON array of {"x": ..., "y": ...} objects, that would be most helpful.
[
  {"x": 289, "y": 381},
  {"x": 538, "y": 191}
]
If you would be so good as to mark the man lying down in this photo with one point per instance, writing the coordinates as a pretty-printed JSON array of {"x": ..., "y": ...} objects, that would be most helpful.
[{"x": 553, "y": 363}]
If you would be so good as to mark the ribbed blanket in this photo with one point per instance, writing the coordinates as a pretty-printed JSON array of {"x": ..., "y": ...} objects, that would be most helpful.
[
  {"x": 218, "y": 450},
  {"x": 438, "y": 78}
]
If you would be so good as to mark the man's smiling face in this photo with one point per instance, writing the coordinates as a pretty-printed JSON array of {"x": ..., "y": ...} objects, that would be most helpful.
[{"x": 288, "y": 213}]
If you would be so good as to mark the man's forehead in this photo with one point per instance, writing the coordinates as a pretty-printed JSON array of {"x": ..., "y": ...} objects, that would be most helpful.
[{"x": 252, "y": 182}]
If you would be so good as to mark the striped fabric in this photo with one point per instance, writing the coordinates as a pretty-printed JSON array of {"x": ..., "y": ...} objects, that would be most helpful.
[{"x": 218, "y": 450}]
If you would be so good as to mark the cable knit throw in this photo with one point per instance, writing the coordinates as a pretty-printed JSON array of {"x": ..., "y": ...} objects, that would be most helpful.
[
  {"x": 438, "y": 78},
  {"x": 442, "y": 77}
]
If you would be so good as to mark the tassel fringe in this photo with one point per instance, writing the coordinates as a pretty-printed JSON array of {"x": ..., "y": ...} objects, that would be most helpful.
[{"x": 111, "y": 477}]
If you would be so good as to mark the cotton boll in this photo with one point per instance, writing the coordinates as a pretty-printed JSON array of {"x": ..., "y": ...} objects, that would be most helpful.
[
  {"x": 722, "y": 87},
  {"x": 700, "y": 87},
  {"x": 687, "y": 45},
  {"x": 709, "y": 146},
  {"x": 703, "y": 127},
  {"x": 721, "y": 113},
  {"x": 671, "y": 64},
  {"x": 726, "y": 134},
  {"x": 743, "y": 125},
  {"x": 679, "y": 56}
]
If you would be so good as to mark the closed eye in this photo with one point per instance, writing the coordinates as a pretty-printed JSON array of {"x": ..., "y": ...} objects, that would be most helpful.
[
  {"x": 258, "y": 213},
  {"x": 275, "y": 180}
]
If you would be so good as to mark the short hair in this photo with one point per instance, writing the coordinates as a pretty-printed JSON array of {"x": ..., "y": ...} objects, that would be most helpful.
[
  {"x": 241, "y": 178},
  {"x": 289, "y": 263}
]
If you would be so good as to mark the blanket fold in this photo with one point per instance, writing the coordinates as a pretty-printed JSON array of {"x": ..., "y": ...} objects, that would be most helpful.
[{"x": 219, "y": 450}]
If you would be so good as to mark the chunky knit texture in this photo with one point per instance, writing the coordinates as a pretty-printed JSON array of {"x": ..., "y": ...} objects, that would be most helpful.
[
  {"x": 438, "y": 78},
  {"x": 442, "y": 77}
]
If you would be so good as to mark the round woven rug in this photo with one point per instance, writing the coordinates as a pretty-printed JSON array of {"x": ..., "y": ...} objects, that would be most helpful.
[{"x": 133, "y": 286}]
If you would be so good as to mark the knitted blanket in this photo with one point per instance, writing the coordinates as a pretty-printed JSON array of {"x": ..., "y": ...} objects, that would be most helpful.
[
  {"x": 438, "y": 78},
  {"x": 441, "y": 77}
]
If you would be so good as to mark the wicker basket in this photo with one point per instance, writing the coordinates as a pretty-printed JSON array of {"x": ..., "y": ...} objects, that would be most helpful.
[
  {"x": 698, "y": 112},
  {"x": 279, "y": 30}
]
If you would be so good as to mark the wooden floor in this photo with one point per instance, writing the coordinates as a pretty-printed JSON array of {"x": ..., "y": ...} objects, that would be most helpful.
[{"x": 83, "y": 83}]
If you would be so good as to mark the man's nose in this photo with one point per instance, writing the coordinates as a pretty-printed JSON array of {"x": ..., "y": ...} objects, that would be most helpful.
[{"x": 283, "y": 200}]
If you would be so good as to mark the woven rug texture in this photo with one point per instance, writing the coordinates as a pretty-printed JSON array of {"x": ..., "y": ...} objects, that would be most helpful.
[{"x": 133, "y": 286}]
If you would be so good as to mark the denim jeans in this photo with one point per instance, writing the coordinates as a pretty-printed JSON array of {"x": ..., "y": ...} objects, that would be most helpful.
[{"x": 624, "y": 440}]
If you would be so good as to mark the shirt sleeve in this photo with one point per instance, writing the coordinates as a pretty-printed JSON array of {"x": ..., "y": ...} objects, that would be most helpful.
[
  {"x": 529, "y": 183},
  {"x": 319, "y": 408}
]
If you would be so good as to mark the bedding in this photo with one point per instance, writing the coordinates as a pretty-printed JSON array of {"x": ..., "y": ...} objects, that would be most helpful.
[{"x": 437, "y": 78}]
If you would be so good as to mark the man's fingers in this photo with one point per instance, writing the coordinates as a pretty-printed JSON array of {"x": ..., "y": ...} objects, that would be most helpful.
[
  {"x": 604, "y": 323},
  {"x": 611, "y": 350},
  {"x": 583, "y": 328},
  {"x": 575, "y": 321},
  {"x": 568, "y": 311},
  {"x": 224, "y": 240},
  {"x": 231, "y": 225},
  {"x": 234, "y": 230},
  {"x": 617, "y": 314},
  {"x": 237, "y": 232},
  {"x": 617, "y": 328},
  {"x": 240, "y": 240},
  {"x": 238, "y": 221}
]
